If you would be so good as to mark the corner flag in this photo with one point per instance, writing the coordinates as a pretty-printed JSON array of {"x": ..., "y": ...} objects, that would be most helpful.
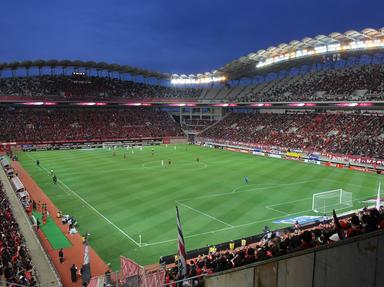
[
  {"x": 378, "y": 199},
  {"x": 181, "y": 245}
]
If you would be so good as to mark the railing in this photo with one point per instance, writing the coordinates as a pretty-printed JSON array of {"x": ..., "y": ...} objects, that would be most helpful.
[{"x": 40, "y": 244}]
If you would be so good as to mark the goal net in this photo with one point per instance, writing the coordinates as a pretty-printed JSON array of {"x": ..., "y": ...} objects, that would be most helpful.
[
  {"x": 112, "y": 145},
  {"x": 325, "y": 202}
]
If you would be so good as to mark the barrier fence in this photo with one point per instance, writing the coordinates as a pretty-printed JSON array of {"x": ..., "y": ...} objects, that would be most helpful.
[{"x": 131, "y": 274}]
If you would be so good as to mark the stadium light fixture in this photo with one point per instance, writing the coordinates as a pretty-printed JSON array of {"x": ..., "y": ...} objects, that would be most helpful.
[
  {"x": 197, "y": 81},
  {"x": 323, "y": 49}
]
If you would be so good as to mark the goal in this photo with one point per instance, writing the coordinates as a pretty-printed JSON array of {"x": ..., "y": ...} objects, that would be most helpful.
[
  {"x": 112, "y": 145},
  {"x": 326, "y": 201}
]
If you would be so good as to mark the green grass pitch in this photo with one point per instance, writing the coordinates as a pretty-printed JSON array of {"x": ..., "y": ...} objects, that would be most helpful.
[{"x": 117, "y": 199}]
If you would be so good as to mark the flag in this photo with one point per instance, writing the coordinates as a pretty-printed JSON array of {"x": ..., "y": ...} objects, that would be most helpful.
[
  {"x": 181, "y": 247},
  {"x": 378, "y": 199},
  {"x": 86, "y": 253},
  {"x": 155, "y": 279},
  {"x": 338, "y": 226},
  {"x": 86, "y": 269},
  {"x": 129, "y": 267},
  {"x": 96, "y": 282}
]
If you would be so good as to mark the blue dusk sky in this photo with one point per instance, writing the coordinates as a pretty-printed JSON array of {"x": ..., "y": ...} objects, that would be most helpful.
[{"x": 170, "y": 36}]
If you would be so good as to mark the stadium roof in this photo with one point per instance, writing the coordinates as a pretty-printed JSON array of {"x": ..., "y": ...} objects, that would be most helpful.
[
  {"x": 101, "y": 66},
  {"x": 307, "y": 48},
  {"x": 264, "y": 60}
]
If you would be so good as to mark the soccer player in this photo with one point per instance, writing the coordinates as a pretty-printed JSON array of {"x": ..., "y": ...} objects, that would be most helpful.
[
  {"x": 162, "y": 162},
  {"x": 54, "y": 179},
  {"x": 44, "y": 218},
  {"x": 246, "y": 180},
  {"x": 198, "y": 159},
  {"x": 169, "y": 162},
  {"x": 37, "y": 162},
  {"x": 153, "y": 151}
]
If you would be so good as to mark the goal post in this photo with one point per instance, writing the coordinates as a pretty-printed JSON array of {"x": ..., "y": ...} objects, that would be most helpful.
[
  {"x": 333, "y": 199},
  {"x": 112, "y": 145}
]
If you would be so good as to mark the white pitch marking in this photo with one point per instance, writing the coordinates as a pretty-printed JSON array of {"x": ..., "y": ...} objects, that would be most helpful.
[
  {"x": 95, "y": 210},
  {"x": 288, "y": 202},
  {"x": 276, "y": 210},
  {"x": 205, "y": 214},
  {"x": 265, "y": 186},
  {"x": 238, "y": 226}
]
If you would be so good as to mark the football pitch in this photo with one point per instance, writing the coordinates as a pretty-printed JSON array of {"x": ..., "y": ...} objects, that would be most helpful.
[{"x": 120, "y": 198}]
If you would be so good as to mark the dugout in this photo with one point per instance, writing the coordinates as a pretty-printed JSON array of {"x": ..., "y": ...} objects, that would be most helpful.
[
  {"x": 10, "y": 172},
  {"x": 17, "y": 184},
  {"x": 5, "y": 163}
]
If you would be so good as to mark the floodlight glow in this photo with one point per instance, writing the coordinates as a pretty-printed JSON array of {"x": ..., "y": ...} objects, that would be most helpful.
[
  {"x": 257, "y": 105},
  {"x": 347, "y": 104},
  {"x": 39, "y": 103},
  {"x": 177, "y": 105},
  {"x": 33, "y": 103},
  {"x": 365, "y": 104},
  {"x": 133, "y": 104},
  {"x": 192, "y": 81},
  {"x": 296, "y": 104},
  {"x": 91, "y": 104},
  {"x": 324, "y": 49}
]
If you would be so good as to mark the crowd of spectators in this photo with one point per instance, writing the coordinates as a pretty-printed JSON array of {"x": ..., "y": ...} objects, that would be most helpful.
[
  {"x": 274, "y": 244},
  {"x": 89, "y": 88},
  {"x": 37, "y": 125},
  {"x": 331, "y": 85},
  {"x": 15, "y": 262},
  {"x": 342, "y": 133},
  {"x": 196, "y": 125}
]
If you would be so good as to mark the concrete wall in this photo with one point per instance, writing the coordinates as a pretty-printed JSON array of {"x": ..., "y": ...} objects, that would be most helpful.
[{"x": 355, "y": 262}]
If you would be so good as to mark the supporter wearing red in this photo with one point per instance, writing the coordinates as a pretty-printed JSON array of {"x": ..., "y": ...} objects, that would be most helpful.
[
  {"x": 342, "y": 133},
  {"x": 15, "y": 262},
  {"x": 280, "y": 244},
  {"x": 38, "y": 125}
]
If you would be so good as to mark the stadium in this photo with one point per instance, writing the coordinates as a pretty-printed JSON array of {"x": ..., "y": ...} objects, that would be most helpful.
[{"x": 274, "y": 163}]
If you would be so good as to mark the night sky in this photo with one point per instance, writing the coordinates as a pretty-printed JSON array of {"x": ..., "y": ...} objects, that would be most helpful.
[{"x": 168, "y": 35}]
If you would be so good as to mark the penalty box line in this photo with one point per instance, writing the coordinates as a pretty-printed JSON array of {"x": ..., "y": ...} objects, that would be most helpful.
[
  {"x": 205, "y": 214},
  {"x": 238, "y": 226},
  {"x": 223, "y": 229},
  {"x": 271, "y": 207},
  {"x": 93, "y": 208}
]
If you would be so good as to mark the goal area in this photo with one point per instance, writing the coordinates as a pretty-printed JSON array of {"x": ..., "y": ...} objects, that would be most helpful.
[{"x": 325, "y": 202}]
